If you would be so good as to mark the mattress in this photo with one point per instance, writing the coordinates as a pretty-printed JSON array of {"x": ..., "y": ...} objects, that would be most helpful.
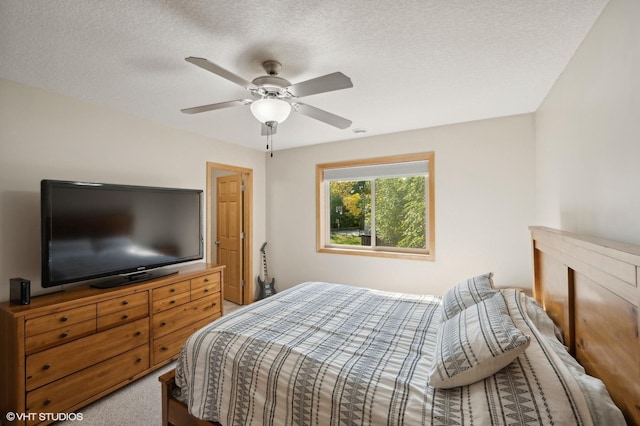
[{"x": 325, "y": 354}]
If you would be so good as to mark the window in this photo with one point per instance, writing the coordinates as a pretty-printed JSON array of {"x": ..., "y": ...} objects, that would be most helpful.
[{"x": 377, "y": 207}]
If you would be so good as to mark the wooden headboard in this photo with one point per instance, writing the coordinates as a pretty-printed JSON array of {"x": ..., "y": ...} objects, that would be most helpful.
[{"x": 590, "y": 288}]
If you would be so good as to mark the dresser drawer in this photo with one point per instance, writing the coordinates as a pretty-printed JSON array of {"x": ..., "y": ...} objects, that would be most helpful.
[
  {"x": 58, "y": 320},
  {"x": 171, "y": 290},
  {"x": 60, "y": 336},
  {"x": 170, "y": 345},
  {"x": 171, "y": 301},
  {"x": 205, "y": 290},
  {"x": 174, "y": 319},
  {"x": 46, "y": 366},
  {"x": 206, "y": 280},
  {"x": 62, "y": 394},
  {"x": 123, "y": 317},
  {"x": 120, "y": 303}
]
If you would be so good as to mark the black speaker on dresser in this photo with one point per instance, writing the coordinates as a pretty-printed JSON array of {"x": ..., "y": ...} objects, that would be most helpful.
[{"x": 20, "y": 292}]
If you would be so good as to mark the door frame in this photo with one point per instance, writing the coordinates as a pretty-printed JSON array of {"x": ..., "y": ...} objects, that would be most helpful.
[{"x": 247, "y": 224}]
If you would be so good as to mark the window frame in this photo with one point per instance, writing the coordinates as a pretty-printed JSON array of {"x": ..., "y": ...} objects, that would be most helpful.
[{"x": 323, "y": 246}]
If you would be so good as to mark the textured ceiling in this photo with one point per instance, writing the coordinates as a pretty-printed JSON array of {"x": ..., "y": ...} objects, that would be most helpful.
[{"x": 413, "y": 63}]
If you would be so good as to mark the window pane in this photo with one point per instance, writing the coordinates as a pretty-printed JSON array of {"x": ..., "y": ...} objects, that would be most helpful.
[
  {"x": 350, "y": 212},
  {"x": 400, "y": 212}
]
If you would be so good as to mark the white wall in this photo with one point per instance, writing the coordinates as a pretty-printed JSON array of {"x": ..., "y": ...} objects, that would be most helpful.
[
  {"x": 588, "y": 133},
  {"x": 44, "y": 135},
  {"x": 484, "y": 202}
]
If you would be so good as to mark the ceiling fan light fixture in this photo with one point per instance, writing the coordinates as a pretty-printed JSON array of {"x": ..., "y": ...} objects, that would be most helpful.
[{"x": 270, "y": 109}]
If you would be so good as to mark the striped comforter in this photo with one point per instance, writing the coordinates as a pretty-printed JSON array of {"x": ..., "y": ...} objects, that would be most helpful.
[{"x": 329, "y": 354}]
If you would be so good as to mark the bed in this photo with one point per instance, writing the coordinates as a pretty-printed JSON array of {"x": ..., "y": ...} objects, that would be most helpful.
[{"x": 296, "y": 358}]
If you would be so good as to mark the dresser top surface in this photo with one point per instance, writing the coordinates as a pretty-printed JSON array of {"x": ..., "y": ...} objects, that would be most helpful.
[{"x": 71, "y": 296}]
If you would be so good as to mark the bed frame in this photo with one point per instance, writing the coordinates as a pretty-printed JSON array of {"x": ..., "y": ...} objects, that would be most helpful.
[
  {"x": 175, "y": 412},
  {"x": 590, "y": 287}
]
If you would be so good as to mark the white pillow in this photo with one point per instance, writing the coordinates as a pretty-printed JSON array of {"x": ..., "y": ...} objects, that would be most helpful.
[
  {"x": 475, "y": 344},
  {"x": 466, "y": 294}
]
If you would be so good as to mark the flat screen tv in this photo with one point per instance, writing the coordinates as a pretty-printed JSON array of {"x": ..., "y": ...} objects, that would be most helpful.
[{"x": 97, "y": 230}]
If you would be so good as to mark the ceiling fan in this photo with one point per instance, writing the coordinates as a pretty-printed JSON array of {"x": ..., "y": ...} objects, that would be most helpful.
[{"x": 274, "y": 97}]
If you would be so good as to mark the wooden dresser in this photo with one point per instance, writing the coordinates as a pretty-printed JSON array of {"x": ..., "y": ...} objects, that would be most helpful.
[{"x": 68, "y": 349}]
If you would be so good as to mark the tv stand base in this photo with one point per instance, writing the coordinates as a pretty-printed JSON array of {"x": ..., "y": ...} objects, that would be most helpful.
[{"x": 134, "y": 278}]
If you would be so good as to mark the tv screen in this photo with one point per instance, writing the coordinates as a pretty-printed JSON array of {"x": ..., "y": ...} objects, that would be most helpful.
[{"x": 94, "y": 230}]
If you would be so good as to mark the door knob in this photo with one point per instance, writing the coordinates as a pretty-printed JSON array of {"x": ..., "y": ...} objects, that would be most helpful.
[{"x": 217, "y": 243}]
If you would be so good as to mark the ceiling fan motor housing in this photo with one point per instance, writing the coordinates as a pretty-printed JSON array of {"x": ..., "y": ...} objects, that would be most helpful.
[{"x": 271, "y": 85}]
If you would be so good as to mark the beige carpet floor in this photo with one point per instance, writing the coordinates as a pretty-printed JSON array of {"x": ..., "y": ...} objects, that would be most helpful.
[{"x": 137, "y": 404}]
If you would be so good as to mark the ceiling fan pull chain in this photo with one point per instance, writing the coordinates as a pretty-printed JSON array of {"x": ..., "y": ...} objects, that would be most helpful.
[
  {"x": 270, "y": 131},
  {"x": 271, "y": 142},
  {"x": 269, "y": 136}
]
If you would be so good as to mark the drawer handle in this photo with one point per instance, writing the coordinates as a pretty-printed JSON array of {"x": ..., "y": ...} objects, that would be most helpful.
[
  {"x": 173, "y": 290},
  {"x": 65, "y": 318},
  {"x": 164, "y": 348},
  {"x": 172, "y": 302},
  {"x": 125, "y": 302},
  {"x": 206, "y": 280},
  {"x": 139, "y": 360},
  {"x": 64, "y": 334},
  {"x": 138, "y": 333},
  {"x": 46, "y": 402},
  {"x": 163, "y": 323},
  {"x": 46, "y": 367},
  {"x": 125, "y": 316},
  {"x": 206, "y": 290}
]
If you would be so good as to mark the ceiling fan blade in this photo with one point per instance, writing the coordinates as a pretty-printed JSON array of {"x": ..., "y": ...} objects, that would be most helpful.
[
  {"x": 219, "y": 105},
  {"x": 265, "y": 129},
  {"x": 218, "y": 70},
  {"x": 322, "y": 115},
  {"x": 326, "y": 83}
]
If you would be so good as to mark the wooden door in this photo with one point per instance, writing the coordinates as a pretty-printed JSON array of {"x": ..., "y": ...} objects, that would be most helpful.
[{"x": 229, "y": 234}]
